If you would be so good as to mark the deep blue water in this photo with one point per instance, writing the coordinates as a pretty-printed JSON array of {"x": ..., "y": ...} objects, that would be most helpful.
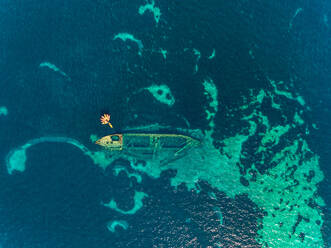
[{"x": 56, "y": 201}]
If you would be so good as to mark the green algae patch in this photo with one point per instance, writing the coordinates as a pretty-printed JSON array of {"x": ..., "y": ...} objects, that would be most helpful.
[
  {"x": 275, "y": 93},
  {"x": 16, "y": 158},
  {"x": 211, "y": 92},
  {"x": 127, "y": 36},
  {"x": 274, "y": 104},
  {"x": 162, "y": 94},
  {"x": 286, "y": 93},
  {"x": 138, "y": 204},
  {"x": 16, "y": 161},
  {"x": 301, "y": 100},
  {"x": 212, "y": 195},
  {"x": 100, "y": 158},
  {"x": 3, "y": 111},
  {"x": 111, "y": 225},
  {"x": 274, "y": 134},
  {"x": 164, "y": 53},
  {"x": 150, "y": 6},
  {"x": 117, "y": 170},
  {"x": 271, "y": 136},
  {"x": 219, "y": 214},
  {"x": 260, "y": 96},
  {"x": 298, "y": 119},
  {"x": 94, "y": 138},
  {"x": 197, "y": 54},
  {"x": 213, "y": 54},
  {"x": 261, "y": 119},
  {"x": 54, "y": 68}
]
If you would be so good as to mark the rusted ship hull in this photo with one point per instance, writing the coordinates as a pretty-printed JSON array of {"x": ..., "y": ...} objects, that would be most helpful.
[{"x": 150, "y": 146}]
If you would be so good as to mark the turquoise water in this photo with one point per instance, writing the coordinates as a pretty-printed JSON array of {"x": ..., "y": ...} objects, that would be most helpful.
[{"x": 249, "y": 79}]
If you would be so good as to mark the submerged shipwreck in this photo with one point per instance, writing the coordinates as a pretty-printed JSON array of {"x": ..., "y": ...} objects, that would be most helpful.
[{"x": 164, "y": 148}]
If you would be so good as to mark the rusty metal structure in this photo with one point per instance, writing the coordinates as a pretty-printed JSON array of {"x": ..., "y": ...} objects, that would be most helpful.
[{"x": 150, "y": 146}]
